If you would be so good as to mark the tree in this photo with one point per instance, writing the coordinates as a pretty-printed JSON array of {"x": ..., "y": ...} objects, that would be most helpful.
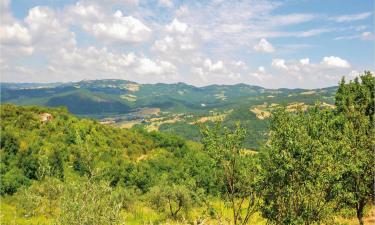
[
  {"x": 236, "y": 168},
  {"x": 355, "y": 102},
  {"x": 300, "y": 171},
  {"x": 170, "y": 198}
]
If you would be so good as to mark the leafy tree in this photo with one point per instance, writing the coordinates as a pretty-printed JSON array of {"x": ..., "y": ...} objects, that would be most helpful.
[
  {"x": 171, "y": 198},
  {"x": 300, "y": 171},
  {"x": 355, "y": 102},
  {"x": 235, "y": 167}
]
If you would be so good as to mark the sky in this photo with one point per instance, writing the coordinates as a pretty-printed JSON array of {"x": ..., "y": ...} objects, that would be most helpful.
[{"x": 270, "y": 43}]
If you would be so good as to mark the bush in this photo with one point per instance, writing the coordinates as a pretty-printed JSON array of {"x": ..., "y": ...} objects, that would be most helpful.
[
  {"x": 87, "y": 202},
  {"x": 12, "y": 181}
]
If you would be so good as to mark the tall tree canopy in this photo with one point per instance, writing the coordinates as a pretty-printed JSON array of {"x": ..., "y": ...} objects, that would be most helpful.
[
  {"x": 299, "y": 169},
  {"x": 355, "y": 102}
]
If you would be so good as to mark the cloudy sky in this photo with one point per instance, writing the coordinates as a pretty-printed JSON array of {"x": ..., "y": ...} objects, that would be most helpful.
[{"x": 272, "y": 43}]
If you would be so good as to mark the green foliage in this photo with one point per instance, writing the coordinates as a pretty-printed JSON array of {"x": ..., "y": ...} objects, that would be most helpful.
[
  {"x": 256, "y": 129},
  {"x": 183, "y": 129},
  {"x": 300, "y": 167},
  {"x": 55, "y": 160},
  {"x": 84, "y": 103},
  {"x": 32, "y": 150},
  {"x": 76, "y": 171},
  {"x": 355, "y": 102},
  {"x": 89, "y": 203},
  {"x": 105, "y": 98},
  {"x": 12, "y": 180},
  {"x": 236, "y": 168},
  {"x": 41, "y": 198},
  {"x": 123, "y": 164},
  {"x": 173, "y": 199}
]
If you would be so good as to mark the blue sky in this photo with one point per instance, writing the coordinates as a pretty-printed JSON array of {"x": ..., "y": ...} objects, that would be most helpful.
[{"x": 290, "y": 43}]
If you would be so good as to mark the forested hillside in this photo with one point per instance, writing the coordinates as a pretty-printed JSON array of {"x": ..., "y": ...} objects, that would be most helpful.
[
  {"x": 316, "y": 167},
  {"x": 65, "y": 151}
]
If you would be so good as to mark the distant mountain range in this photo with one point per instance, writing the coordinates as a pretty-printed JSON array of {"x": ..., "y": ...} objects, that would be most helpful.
[
  {"x": 176, "y": 108},
  {"x": 100, "y": 97}
]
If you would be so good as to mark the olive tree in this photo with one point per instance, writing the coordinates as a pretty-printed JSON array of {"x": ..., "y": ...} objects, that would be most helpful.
[{"x": 173, "y": 199}]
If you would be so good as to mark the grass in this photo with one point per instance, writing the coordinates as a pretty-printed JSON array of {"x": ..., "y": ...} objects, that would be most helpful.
[
  {"x": 369, "y": 218},
  {"x": 10, "y": 215},
  {"x": 140, "y": 213}
]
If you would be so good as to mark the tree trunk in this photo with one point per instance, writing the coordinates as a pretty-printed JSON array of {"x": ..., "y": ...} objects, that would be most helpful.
[
  {"x": 360, "y": 208},
  {"x": 360, "y": 218}
]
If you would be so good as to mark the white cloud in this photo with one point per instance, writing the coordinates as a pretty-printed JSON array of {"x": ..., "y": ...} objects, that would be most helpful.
[
  {"x": 48, "y": 31},
  {"x": 229, "y": 26},
  {"x": 15, "y": 37},
  {"x": 177, "y": 26},
  {"x": 109, "y": 27},
  {"x": 290, "y": 19},
  {"x": 333, "y": 61},
  {"x": 261, "y": 69},
  {"x": 166, "y": 3},
  {"x": 119, "y": 28},
  {"x": 175, "y": 44},
  {"x": 138, "y": 45},
  {"x": 365, "y": 36},
  {"x": 279, "y": 64},
  {"x": 214, "y": 67},
  {"x": 240, "y": 64},
  {"x": 260, "y": 75},
  {"x": 122, "y": 2},
  {"x": 14, "y": 34},
  {"x": 303, "y": 73},
  {"x": 165, "y": 44},
  {"x": 312, "y": 32},
  {"x": 110, "y": 4},
  {"x": 180, "y": 43},
  {"x": 264, "y": 46},
  {"x": 207, "y": 71},
  {"x": 368, "y": 36},
  {"x": 101, "y": 63},
  {"x": 304, "y": 61},
  {"x": 149, "y": 67},
  {"x": 12, "y": 53},
  {"x": 83, "y": 12},
  {"x": 352, "y": 17}
]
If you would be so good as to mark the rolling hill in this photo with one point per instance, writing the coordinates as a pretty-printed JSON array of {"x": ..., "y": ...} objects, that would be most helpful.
[{"x": 175, "y": 108}]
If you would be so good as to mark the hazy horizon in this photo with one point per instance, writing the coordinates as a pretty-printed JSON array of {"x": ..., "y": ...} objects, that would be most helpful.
[{"x": 145, "y": 83}]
